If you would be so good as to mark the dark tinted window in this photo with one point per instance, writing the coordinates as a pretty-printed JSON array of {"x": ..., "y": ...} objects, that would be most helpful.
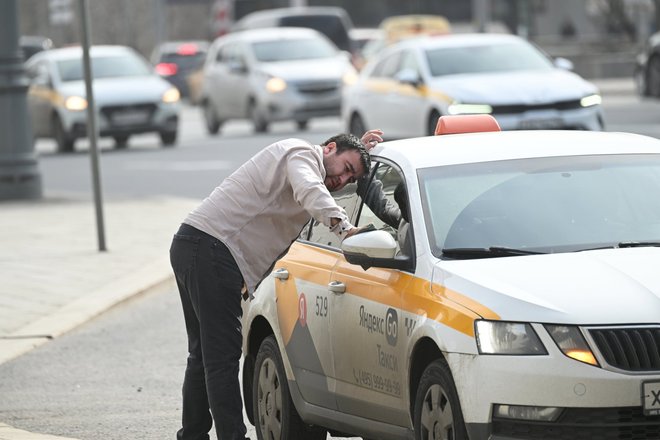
[{"x": 330, "y": 25}]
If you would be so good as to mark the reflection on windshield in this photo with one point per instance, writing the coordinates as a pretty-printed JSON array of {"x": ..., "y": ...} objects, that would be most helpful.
[
  {"x": 103, "y": 67},
  {"x": 481, "y": 59},
  {"x": 545, "y": 205},
  {"x": 289, "y": 50}
]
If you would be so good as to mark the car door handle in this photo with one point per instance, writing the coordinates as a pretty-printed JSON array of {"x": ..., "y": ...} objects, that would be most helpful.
[
  {"x": 337, "y": 287},
  {"x": 281, "y": 274}
]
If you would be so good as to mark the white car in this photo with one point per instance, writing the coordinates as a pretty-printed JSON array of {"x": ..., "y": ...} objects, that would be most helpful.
[
  {"x": 131, "y": 98},
  {"x": 273, "y": 74},
  {"x": 510, "y": 291},
  {"x": 407, "y": 86}
]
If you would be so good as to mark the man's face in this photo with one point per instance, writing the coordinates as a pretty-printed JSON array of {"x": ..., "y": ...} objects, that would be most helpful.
[{"x": 342, "y": 168}]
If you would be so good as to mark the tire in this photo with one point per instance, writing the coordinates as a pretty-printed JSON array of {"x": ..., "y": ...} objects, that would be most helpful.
[
  {"x": 433, "y": 122},
  {"x": 356, "y": 126},
  {"x": 168, "y": 138},
  {"x": 653, "y": 76},
  {"x": 259, "y": 122},
  {"x": 213, "y": 123},
  {"x": 438, "y": 414},
  {"x": 275, "y": 417},
  {"x": 65, "y": 143},
  {"x": 302, "y": 125},
  {"x": 121, "y": 142}
]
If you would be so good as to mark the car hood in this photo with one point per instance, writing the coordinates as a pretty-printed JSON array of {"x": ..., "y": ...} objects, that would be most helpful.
[
  {"x": 324, "y": 68},
  {"x": 126, "y": 90},
  {"x": 614, "y": 286},
  {"x": 529, "y": 87}
]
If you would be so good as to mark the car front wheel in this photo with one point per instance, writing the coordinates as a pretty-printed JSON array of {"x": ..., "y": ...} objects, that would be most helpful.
[
  {"x": 356, "y": 127},
  {"x": 275, "y": 416},
  {"x": 438, "y": 414},
  {"x": 65, "y": 142},
  {"x": 653, "y": 78},
  {"x": 211, "y": 118},
  {"x": 168, "y": 138}
]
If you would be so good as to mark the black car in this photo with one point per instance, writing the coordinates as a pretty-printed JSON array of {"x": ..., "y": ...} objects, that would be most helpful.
[
  {"x": 175, "y": 60},
  {"x": 647, "y": 68}
]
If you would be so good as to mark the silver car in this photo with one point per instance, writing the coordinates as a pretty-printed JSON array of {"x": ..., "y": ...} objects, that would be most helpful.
[
  {"x": 130, "y": 97},
  {"x": 273, "y": 74}
]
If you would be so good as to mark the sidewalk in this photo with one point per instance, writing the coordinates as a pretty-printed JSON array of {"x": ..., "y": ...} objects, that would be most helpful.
[{"x": 53, "y": 276}]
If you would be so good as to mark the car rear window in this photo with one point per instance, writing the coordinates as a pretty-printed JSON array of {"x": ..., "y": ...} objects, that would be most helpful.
[{"x": 329, "y": 25}]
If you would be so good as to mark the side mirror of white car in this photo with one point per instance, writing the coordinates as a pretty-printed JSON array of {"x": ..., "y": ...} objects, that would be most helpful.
[
  {"x": 564, "y": 63},
  {"x": 374, "y": 249}
]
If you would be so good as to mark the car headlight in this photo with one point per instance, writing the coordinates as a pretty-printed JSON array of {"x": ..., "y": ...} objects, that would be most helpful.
[
  {"x": 350, "y": 78},
  {"x": 571, "y": 342},
  {"x": 172, "y": 95},
  {"x": 456, "y": 108},
  {"x": 591, "y": 100},
  {"x": 275, "y": 85},
  {"x": 500, "y": 337},
  {"x": 75, "y": 103}
]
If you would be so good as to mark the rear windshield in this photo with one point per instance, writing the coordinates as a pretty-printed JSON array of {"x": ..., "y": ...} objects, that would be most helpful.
[
  {"x": 184, "y": 61},
  {"x": 329, "y": 25},
  {"x": 289, "y": 50}
]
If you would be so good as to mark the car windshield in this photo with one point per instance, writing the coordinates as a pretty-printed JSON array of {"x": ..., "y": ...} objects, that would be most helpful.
[
  {"x": 103, "y": 67},
  {"x": 290, "y": 49},
  {"x": 548, "y": 205},
  {"x": 487, "y": 58}
]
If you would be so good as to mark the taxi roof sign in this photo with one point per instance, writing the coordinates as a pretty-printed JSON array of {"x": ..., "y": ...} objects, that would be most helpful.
[{"x": 454, "y": 124}]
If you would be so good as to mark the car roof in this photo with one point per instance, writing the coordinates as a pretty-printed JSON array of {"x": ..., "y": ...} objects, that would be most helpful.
[
  {"x": 76, "y": 52},
  {"x": 451, "y": 40},
  {"x": 275, "y": 33},
  {"x": 453, "y": 149},
  {"x": 296, "y": 10}
]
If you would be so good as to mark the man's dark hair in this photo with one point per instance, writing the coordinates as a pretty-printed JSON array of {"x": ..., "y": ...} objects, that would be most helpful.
[{"x": 346, "y": 142}]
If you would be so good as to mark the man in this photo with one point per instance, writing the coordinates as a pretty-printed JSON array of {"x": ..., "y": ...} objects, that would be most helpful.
[{"x": 227, "y": 245}]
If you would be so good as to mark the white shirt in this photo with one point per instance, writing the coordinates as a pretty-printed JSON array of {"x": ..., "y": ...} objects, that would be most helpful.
[{"x": 260, "y": 209}]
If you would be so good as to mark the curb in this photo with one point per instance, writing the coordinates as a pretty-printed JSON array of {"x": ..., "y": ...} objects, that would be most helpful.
[{"x": 83, "y": 309}]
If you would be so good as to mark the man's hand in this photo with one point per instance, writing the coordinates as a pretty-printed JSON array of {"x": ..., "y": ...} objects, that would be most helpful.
[{"x": 371, "y": 138}]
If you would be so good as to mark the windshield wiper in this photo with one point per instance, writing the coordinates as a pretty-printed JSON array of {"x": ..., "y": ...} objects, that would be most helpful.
[
  {"x": 630, "y": 244},
  {"x": 490, "y": 252}
]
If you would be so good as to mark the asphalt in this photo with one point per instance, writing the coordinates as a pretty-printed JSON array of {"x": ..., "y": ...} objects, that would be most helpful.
[{"x": 54, "y": 278}]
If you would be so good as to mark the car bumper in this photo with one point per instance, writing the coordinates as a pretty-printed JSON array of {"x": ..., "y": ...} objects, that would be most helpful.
[
  {"x": 589, "y": 118},
  {"x": 294, "y": 105},
  {"x": 125, "y": 120},
  {"x": 595, "y": 403}
]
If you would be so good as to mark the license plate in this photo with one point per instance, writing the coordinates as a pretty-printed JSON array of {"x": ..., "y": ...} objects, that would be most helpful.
[
  {"x": 133, "y": 117},
  {"x": 651, "y": 398},
  {"x": 540, "y": 124}
]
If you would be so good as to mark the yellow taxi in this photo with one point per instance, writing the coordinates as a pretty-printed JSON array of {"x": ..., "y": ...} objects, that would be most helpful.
[{"x": 508, "y": 290}]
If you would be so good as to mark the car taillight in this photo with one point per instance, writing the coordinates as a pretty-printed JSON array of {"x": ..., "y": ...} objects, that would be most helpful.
[{"x": 166, "y": 69}]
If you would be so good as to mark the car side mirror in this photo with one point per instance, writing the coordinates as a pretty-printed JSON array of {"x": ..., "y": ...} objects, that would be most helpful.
[
  {"x": 564, "y": 63},
  {"x": 374, "y": 249},
  {"x": 409, "y": 76}
]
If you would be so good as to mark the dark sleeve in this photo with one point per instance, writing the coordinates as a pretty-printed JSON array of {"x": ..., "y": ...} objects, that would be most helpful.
[{"x": 373, "y": 196}]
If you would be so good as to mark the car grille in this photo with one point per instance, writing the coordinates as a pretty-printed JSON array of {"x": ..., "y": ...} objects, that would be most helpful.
[
  {"x": 317, "y": 87},
  {"x": 630, "y": 349},
  {"x": 585, "y": 424},
  {"x": 521, "y": 108},
  {"x": 134, "y": 114}
]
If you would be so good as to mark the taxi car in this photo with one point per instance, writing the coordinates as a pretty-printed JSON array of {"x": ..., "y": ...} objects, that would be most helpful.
[
  {"x": 498, "y": 74},
  {"x": 522, "y": 303},
  {"x": 131, "y": 98}
]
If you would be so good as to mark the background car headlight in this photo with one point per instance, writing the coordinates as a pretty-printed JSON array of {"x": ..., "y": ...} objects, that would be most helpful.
[
  {"x": 350, "y": 78},
  {"x": 591, "y": 100},
  {"x": 75, "y": 103},
  {"x": 171, "y": 95},
  {"x": 457, "y": 108},
  {"x": 275, "y": 85},
  {"x": 571, "y": 342},
  {"x": 500, "y": 337}
]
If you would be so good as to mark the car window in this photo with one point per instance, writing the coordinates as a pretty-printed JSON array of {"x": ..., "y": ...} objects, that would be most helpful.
[
  {"x": 385, "y": 205},
  {"x": 103, "y": 67},
  {"x": 544, "y": 204},
  {"x": 347, "y": 199},
  {"x": 329, "y": 25},
  {"x": 387, "y": 67},
  {"x": 486, "y": 58},
  {"x": 184, "y": 61},
  {"x": 293, "y": 49},
  {"x": 409, "y": 62}
]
